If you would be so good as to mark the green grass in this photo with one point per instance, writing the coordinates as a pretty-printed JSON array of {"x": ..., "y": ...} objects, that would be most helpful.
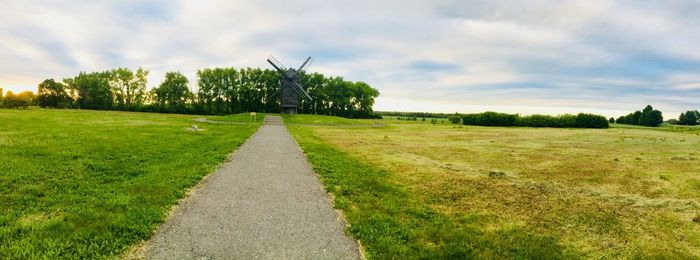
[
  {"x": 443, "y": 191},
  {"x": 666, "y": 127},
  {"x": 90, "y": 184},
  {"x": 322, "y": 120},
  {"x": 240, "y": 118}
]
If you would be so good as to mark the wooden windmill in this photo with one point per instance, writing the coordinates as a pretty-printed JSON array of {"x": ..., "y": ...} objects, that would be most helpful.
[{"x": 290, "y": 88}]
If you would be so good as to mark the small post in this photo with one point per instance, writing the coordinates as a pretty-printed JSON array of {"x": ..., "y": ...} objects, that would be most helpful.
[{"x": 254, "y": 116}]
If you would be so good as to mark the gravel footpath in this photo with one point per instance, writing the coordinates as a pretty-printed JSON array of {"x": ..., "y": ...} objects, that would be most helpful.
[{"x": 265, "y": 203}]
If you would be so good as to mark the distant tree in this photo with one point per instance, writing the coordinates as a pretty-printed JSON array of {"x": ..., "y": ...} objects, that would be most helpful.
[
  {"x": 22, "y": 100},
  {"x": 136, "y": 93},
  {"x": 9, "y": 100},
  {"x": 128, "y": 88},
  {"x": 221, "y": 91},
  {"x": 689, "y": 118},
  {"x": 52, "y": 94},
  {"x": 455, "y": 119},
  {"x": 611, "y": 120},
  {"x": 647, "y": 117},
  {"x": 173, "y": 93},
  {"x": 654, "y": 118},
  {"x": 92, "y": 89},
  {"x": 636, "y": 118},
  {"x": 27, "y": 97}
]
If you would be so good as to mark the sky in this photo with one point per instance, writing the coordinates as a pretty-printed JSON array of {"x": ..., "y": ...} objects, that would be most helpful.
[{"x": 526, "y": 56}]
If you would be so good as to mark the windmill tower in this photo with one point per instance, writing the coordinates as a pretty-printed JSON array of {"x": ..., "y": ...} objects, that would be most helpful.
[{"x": 290, "y": 88}]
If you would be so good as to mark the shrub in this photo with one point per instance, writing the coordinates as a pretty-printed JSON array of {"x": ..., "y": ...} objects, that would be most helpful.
[
  {"x": 455, "y": 119},
  {"x": 21, "y": 100}
]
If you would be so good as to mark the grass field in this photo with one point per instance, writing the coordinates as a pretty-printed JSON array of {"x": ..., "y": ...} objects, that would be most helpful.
[
  {"x": 416, "y": 190},
  {"x": 90, "y": 184}
]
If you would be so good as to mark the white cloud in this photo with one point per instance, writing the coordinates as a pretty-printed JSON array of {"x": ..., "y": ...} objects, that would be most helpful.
[{"x": 611, "y": 54}]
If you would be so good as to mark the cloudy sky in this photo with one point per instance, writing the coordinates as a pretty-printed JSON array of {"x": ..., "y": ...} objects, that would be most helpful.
[{"x": 528, "y": 56}]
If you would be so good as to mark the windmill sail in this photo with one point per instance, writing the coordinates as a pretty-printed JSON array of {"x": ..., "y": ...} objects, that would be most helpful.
[
  {"x": 299, "y": 87},
  {"x": 306, "y": 64},
  {"x": 277, "y": 64},
  {"x": 290, "y": 88}
]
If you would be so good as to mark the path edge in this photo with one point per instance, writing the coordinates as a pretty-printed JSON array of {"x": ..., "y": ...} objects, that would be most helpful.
[
  {"x": 138, "y": 251},
  {"x": 331, "y": 198}
]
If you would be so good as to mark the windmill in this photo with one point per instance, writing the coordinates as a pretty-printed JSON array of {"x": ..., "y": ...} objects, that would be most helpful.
[{"x": 290, "y": 88}]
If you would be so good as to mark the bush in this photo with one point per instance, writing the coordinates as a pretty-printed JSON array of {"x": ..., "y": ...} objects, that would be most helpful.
[
  {"x": 455, "y": 119},
  {"x": 569, "y": 121},
  {"x": 21, "y": 100}
]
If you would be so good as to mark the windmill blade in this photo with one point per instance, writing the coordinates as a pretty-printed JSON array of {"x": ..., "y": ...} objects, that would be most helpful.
[
  {"x": 303, "y": 91},
  {"x": 306, "y": 64},
  {"x": 277, "y": 64}
]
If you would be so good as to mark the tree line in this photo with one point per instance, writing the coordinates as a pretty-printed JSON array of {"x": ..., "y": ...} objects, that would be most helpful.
[
  {"x": 689, "y": 118},
  {"x": 227, "y": 90},
  {"x": 581, "y": 120},
  {"x": 646, "y": 117},
  {"x": 220, "y": 91},
  {"x": 414, "y": 114},
  {"x": 11, "y": 100}
]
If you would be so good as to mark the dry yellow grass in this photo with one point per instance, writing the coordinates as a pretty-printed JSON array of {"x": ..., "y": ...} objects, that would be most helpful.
[{"x": 602, "y": 193}]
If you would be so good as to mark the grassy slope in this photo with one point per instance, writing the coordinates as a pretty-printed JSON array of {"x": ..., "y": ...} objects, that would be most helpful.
[
  {"x": 421, "y": 190},
  {"x": 88, "y": 184}
]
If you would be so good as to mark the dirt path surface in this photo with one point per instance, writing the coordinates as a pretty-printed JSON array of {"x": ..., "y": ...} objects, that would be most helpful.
[{"x": 265, "y": 203}]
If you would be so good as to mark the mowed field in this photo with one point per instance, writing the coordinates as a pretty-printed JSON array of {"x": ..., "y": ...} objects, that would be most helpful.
[
  {"x": 418, "y": 190},
  {"x": 91, "y": 184}
]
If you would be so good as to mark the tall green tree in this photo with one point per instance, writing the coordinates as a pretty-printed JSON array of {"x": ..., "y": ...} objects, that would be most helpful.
[
  {"x": 173, "y": 93},
  {"x": 119, "y": 80},
  {"x": 136, "y": 92},
  {"x": 647, "y": 117},
  {"x": 220, "y": 91},
  {"x": 93, "y": 90},
  {"x": 128, "y": 88},
  {"x": 52, "y": 94},
  {"x": 650, "y": 117},
  {"x": 689, "y": 118}
]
